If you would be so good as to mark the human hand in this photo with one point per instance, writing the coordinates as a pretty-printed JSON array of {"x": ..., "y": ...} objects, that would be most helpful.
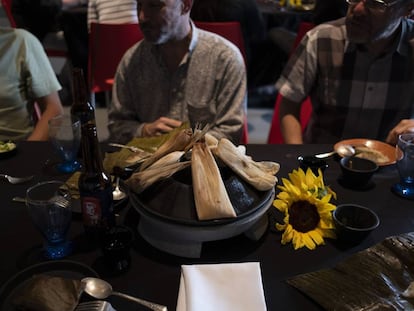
[
  {"x": 405, "y": 126},
  {"x": 160, "y": 126}
]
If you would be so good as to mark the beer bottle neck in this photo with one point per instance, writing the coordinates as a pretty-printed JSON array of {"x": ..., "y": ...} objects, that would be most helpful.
[{"x": 91, "y": 150}]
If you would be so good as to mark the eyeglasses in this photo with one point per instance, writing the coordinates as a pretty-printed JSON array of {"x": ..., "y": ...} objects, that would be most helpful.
[{"x": 374, "y": 5}]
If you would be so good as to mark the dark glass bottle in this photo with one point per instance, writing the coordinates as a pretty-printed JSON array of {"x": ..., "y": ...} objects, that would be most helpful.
[
  {"x": 81, "y": 106},
  {"x": 95, "y": 188}
]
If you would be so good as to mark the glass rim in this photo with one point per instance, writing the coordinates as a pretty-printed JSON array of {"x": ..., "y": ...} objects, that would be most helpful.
[
  {"x": 43, "y": 183},
  {"x": 404, "y": 136}
]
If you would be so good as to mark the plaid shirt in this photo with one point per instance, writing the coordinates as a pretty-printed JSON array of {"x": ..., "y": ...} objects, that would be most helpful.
[{"x": 353, "y": 94}]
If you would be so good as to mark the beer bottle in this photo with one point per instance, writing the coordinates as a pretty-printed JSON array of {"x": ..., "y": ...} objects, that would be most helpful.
[
  {"x": 81, "y": 106},
  {"x": 95, "y": 188}
]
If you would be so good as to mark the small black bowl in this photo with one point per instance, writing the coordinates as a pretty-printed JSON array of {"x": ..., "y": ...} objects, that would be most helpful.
[
  {"x": 357, "y": 172},
  {"x": 313, "y": 163},
  {"x": 354, "y": 222}
]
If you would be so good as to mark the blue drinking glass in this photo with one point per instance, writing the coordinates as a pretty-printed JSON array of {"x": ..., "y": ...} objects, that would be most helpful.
[
  {"x": 405, "y": 165},
  {"x": 50, "y": 207},
  {"x": 65, "y": 134}
]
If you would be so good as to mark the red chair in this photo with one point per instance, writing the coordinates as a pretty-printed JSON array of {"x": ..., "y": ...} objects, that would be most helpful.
[
  {"x": 232, "y": 32},
  {"x": 275, "y": 135},
  {"x": 229, "y": 30},
  {"x": 6, "y": 4},
  {"x": 107, "y": 45}
]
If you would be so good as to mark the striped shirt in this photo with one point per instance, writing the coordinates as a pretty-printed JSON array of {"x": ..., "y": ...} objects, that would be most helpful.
[
  {"x": 112, "y": 12},
  {"x": 353, "y": 94}
]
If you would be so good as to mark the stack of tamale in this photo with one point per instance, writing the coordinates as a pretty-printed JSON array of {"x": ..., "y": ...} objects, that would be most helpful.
[{"x": 210, "y": 195}]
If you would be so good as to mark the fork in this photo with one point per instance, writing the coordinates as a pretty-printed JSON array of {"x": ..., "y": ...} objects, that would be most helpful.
[
  {"x": 96, "y": 305},
  {"x": 16, "y": 180}
]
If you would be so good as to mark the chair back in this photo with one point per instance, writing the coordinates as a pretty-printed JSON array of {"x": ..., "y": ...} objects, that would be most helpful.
[
  {"x": 6, "y": 4},
  {"x": 275, "y": 134},
  {"x": 107, "y": 45},
  {"x": 229, "y": 30},
  {"x": 232, "y": 32}
]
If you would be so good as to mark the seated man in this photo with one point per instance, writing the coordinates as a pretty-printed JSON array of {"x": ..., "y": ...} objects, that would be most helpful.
[
  {"x": 27, "y": 77},
  {"x": 359, "y": 73},
  {"x": 178, "y": 73}
]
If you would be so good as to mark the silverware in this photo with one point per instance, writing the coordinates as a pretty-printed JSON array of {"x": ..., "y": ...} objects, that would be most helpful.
[
  {"x": 101, "y": 289},
  {"x": 97, "y": 305},
  {"x": 117, "y": 193},
  {"x": 19, "y": 200},
  {"x": 16, "y": 180},
  {"x": 342, "y": 150}
]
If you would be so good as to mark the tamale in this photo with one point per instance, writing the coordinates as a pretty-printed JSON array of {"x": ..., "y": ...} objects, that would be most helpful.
[
  {"x": 210, "y": 195},
  {"x": 177, "y": 142},
  {"x": 172, "y": 157},
  {"x": 139, "y": 181},
  {"x": 255, "y": 173}
]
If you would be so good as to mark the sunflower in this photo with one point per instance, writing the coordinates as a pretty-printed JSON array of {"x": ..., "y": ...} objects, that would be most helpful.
[{"x": 304, "y": 201}]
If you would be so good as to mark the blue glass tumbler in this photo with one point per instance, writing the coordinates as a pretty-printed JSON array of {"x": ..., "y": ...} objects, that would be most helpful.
[
  {"x": 50, "y": 207},
  {"x": 405, "y": 165}
]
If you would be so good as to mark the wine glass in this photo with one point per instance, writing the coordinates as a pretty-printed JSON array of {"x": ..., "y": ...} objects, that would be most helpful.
[
  {"x": 65, "y": 134},
  {"x": 405, "y": 165},
  {"x": 50, "y": 207}
]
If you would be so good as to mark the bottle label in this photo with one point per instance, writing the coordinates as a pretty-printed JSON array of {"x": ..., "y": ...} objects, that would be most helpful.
[{"x": 91, "y": 211}]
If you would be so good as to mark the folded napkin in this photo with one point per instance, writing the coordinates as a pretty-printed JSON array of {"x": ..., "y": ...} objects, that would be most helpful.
[{"x": 234, "y": 286}]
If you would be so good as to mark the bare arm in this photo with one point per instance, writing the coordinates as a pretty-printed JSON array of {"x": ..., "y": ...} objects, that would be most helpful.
[
  {"x": 289, "y": 116},
  {"x": 51, "y": 107},
  {"x": 405, "y": 126}
]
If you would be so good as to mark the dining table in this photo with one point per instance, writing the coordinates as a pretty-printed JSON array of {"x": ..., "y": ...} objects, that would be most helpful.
[{"x": 155, "y": 275}]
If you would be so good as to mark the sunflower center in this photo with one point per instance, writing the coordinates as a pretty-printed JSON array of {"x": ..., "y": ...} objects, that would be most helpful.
[{"x": 303, "y": 216}]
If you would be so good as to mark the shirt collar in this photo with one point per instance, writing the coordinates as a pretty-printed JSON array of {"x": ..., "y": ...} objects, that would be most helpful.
[{"x": 400, "y": 46}]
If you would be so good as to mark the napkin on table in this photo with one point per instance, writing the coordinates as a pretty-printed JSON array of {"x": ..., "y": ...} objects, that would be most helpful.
[{"x": 212, "y": 287}]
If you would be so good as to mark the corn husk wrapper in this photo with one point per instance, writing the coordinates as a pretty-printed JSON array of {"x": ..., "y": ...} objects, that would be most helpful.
[
  {"x": 210, "y": 195},
  {"x": 258, "y": 174},
  {"x": 170, "y": 158},
  {"x": 177, "y": 142},
  {"x": 139, "y": 181}
]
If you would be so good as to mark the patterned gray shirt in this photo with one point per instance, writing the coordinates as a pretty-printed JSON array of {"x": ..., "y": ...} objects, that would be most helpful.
[
  {"x": 208, "y": 87},
  {"x": 353, "y": 94}
]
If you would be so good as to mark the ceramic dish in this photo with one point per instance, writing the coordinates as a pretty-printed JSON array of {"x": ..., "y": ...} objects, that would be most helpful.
[
  {"x": 172, "y": 199},
  {"x": 7, "y": 149},
  {"x": 63, "y": 268},
  {"x": 375, "y": 145}
]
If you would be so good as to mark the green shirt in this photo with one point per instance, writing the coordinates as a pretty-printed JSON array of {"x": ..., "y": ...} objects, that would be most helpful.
[{"x": 26, "y": 74}]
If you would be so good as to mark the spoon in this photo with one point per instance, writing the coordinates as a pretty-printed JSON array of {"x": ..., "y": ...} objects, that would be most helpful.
[
  {"x": 118, "y": 194},
  {"x": 101, "y": 289},
  {"x": 16, "y": 180},
  {"x": 342, "y": 150}
]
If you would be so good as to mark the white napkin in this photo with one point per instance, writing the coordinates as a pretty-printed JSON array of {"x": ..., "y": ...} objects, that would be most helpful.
[{"x": 234, "y": 286}]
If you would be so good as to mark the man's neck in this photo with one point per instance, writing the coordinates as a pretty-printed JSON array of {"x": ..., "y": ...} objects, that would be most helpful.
[{"x": 174, "y": 50}]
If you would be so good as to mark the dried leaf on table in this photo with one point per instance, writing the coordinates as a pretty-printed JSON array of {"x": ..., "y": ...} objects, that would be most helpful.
[
  {"x": 260, "y": 175},
  {"x": 373, "y": 279},
  {"x": 210, "y": 195}
]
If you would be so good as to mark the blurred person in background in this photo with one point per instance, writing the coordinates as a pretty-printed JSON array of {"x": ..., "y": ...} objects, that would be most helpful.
[
  {"x": 359, "y": 73},
  {"x": 27, "y": 77},
  {"x": 112, "y": 12},
  {"x": 40, "y": 17},
  {"x": 178, "y": 73}
]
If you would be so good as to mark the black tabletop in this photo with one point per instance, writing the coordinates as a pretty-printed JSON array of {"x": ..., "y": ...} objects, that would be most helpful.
[{"x": 155, "y": 275}]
